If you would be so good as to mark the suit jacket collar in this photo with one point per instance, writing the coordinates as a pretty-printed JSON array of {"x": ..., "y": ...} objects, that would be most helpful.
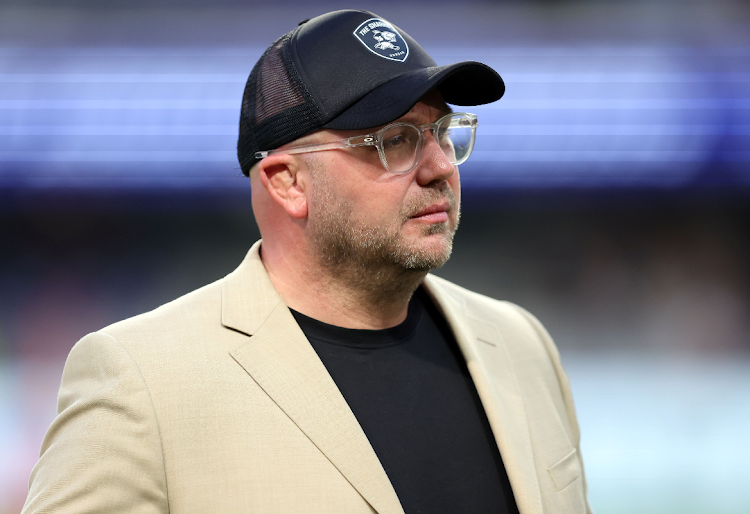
[
  {"x": 282, "y": 362},
  {"x": 248, "y": 297},
  {"x": 491, "y": 368}
]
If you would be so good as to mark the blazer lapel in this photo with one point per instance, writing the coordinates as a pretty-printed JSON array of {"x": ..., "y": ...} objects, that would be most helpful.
[
  {"x": 282, "y": 362},
  {"x": 499, "y": 392}
]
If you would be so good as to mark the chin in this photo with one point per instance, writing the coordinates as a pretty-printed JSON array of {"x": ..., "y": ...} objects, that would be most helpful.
[{"x": 429, "y": 254}]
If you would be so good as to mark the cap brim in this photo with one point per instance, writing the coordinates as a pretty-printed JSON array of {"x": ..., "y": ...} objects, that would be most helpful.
[{"x": 464, "y": 83}]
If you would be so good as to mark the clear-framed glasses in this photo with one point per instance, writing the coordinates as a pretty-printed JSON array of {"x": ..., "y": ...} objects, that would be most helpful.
[{"x": 400, "y": 145}]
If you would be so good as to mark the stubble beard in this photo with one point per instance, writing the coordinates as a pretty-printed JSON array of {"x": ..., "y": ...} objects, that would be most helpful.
[{"x": 378, "y": 260}]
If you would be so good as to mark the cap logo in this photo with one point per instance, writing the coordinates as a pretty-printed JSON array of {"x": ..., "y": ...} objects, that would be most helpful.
[{"x": 382, "y": 39}]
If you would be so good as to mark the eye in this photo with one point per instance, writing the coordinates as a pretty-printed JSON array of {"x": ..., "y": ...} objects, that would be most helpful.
[
  {"x": 395, "y": 141},
  {"x": 399, "y": 138}
]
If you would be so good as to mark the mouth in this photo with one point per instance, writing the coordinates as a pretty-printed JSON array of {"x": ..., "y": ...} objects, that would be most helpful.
[{"x": 435, "y": 213}]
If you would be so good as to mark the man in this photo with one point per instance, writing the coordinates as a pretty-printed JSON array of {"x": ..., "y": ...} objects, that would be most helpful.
[{"x": 329, "y": 373}]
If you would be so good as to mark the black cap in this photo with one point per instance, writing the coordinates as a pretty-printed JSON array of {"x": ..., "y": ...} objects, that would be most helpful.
[{"x": 347, "y": 70}]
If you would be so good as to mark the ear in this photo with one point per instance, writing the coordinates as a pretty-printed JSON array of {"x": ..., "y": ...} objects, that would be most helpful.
[{"x": 280, "y": 175}]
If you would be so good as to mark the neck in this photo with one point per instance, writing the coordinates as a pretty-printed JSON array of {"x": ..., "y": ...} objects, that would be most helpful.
[
  {"x": 379, "y": 295},
  {"x": 345, "y": 294}
]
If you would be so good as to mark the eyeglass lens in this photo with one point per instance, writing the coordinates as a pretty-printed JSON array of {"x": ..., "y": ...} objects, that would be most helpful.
[{"x": 401, "y": 143}]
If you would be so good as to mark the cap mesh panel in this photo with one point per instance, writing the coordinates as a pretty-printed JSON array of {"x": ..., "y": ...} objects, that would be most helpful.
[
  {"x": 276, "y": 106},
  {"x": 275, "y": 92}
]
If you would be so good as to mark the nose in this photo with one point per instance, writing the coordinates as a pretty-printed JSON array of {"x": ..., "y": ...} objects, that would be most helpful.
[{"x": 434, "y": 165}]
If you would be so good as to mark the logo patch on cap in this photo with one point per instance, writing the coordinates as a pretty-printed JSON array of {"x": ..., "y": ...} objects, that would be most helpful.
[{"x": 382, "y": 39}]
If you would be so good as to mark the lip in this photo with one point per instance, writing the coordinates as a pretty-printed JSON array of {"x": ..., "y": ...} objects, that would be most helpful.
[{"x": 434, "y": 213}]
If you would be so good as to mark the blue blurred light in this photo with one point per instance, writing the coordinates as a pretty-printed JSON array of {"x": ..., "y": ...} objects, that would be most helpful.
[{"x": 598, "y": 116}]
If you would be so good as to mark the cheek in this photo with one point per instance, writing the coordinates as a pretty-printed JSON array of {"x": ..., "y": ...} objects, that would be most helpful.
[
  {"x": 374, "y": 197},
  {"x": 455, "y": 181},
  {"x": 384, "y": 206}
]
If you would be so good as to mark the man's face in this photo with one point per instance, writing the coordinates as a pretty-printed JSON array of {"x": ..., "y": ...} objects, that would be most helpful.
[{"x": 361, "y": 215}]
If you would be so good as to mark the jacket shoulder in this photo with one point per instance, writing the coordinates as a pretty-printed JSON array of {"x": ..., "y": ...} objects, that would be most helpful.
[{"x": 200, "y": 307}]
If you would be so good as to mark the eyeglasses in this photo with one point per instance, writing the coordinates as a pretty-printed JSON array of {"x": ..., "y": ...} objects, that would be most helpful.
[{"x": 401, "y": 145}]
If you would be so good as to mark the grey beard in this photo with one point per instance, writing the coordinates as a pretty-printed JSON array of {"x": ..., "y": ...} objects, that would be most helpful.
[{"x": 371, "y": 259}]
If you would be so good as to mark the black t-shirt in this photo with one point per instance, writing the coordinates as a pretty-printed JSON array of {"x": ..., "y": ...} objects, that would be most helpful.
[{"x": 411, "y": 392}]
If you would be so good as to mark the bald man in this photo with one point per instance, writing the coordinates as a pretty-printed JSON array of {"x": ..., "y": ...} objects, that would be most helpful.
[{"x": 330, "y": 372}]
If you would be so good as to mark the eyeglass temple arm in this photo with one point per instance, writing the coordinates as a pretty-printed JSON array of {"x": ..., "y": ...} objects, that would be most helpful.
[{"x": 319, "y": 147}]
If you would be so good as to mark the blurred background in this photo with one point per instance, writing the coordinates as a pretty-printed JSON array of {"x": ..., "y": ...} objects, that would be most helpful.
[{"x": 609, "y": 194}]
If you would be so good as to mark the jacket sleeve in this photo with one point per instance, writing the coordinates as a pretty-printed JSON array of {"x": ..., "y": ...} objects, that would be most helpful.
[{"x": 103, "y": 451}]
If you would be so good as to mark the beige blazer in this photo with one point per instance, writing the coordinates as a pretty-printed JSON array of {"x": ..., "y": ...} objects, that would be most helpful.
[{"x": 216, "y": 403}]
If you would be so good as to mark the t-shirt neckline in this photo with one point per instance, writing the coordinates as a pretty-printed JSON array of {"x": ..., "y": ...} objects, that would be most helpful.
[{"x": 364, "y": 338}]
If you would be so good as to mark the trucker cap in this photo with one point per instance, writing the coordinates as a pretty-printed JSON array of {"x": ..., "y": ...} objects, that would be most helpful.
[{"x": 347, "y": 70}]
